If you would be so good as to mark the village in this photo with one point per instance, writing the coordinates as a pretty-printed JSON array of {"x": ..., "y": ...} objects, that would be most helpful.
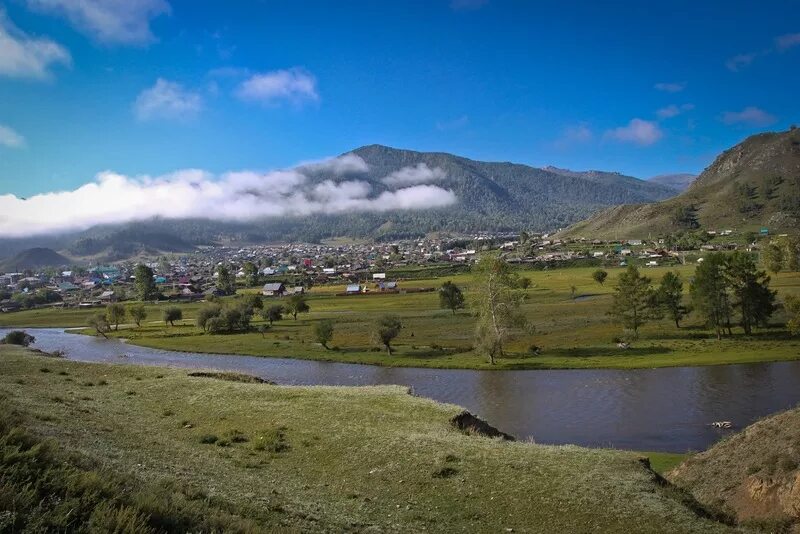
[{"x": 358, "y": 268}]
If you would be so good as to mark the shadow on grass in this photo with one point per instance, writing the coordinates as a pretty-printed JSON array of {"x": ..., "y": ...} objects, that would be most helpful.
[
  {"x": 588, "y": 352},
  {"x": 701, "y": 333}
]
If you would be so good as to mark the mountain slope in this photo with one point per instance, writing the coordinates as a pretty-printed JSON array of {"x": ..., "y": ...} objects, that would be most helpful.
[
  {"x": 34, "y": 258},
  {"x": 679, "y": 182},
  {"x": 490, "y": 196},
  {"x": 754, "y": 184}
]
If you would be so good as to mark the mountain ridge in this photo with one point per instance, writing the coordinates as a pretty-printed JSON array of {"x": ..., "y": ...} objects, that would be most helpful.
[
  {"x": 753, "y": 184},
  {"x": 490, "y": 196}
]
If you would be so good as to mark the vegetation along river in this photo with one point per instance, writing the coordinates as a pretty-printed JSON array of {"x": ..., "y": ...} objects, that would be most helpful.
[{"x": 667, "y": 409}]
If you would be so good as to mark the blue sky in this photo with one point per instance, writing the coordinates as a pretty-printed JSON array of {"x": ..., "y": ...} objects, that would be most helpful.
[{"x": 155, "y": 86}]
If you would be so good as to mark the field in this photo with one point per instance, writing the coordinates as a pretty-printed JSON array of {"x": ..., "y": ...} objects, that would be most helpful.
[
  {"x": 201, "y": 453},
  {"x": 569, "y": 332}
]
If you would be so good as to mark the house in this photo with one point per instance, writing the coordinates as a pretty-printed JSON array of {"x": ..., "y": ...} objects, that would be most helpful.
[
  {"x": 379, "y": 276},
  {"x": 387, "y": 286},
  {"x": 297, "y": 290},
  {"x": 273, "y": 289},
  {"x": 108, "y": 296},
  {"x": 353, "y": 289},
  {"x": 652, "y": 263},
  {"x": 67, "y": 286}
]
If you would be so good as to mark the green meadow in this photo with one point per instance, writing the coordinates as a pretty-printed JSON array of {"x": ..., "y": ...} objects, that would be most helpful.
[
  {"x": 569, "y": 332},
  {"x": 139, "y": 449}
]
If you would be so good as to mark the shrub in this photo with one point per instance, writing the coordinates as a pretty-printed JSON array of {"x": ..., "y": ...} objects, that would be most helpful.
[
  {"x": 172, "y": 314},
  {"x": 208, "y": 439},
  {"x": 18, "y": 337},
  {"x": 205, "y": 314}
]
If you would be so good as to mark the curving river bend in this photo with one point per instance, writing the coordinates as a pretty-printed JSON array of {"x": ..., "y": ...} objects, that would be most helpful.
[{"x": 667, "y": 409}]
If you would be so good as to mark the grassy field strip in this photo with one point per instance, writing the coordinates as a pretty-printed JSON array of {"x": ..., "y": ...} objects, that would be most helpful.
[{"x": 570, "y": 333}]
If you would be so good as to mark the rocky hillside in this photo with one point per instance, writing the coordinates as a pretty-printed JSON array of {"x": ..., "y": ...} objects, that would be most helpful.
[
  {"x": 753, "y": 476},
  {"x": 754, "y": 184}
]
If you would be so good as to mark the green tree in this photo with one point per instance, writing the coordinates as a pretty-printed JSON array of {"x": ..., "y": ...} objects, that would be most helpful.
[
  {"x": 782, "y": 253},
  {"x": 750, "y": 288},
  {"x": 144, "y": 283},
  {"x": 263, "y": 329},
  {"x": 709, "y": 291},
  {"x": 296, "y": 304},
  {"x": 254, "y": 300},
  {"x": 496, "y": 303},
  {"x": 600, "y": 276},
  {"x": 323, "y": 332},
  {"x": 205, "y": 313},
  {"x": 772, "y": 256},
  {"x": 273, "y": 313},
  {"x": 99, "y": 323},
  {"x": 792, "y": 305},
  {"x": 115, "y": 314},
  {"x": 226, "y": 281},
  {"x": 251, "y": 276},
  {"x": 670, "y": 297},
  {"x": 172, "y": 314},
  {"x": 138, "y": 313},
  {"x": 18, "y": 337},
  {"x": 386, "y": 329},
  {"x": 633, "y": 300},
  {"x": 451, "y": 297}
]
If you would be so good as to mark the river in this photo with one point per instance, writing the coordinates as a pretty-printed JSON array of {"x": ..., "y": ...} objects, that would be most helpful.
[{"x": 668, "y": 409}]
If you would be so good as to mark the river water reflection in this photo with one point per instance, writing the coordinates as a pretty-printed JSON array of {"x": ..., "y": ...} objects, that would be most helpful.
[{"x": 647, "y": 409}]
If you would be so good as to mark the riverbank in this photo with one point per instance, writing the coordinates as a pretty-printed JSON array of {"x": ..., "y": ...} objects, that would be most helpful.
[
  {"x": 329, "y": 458},
  {"x": 570, "y": 333}
]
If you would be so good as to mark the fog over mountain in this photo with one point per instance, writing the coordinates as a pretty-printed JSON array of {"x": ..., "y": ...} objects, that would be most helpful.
[
  {"x": 328, "y": 187},
  {"x": 374, "y": 191}
]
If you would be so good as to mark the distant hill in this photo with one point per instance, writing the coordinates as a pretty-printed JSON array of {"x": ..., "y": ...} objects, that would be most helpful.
[
  {"x": 753, "y": 475},
  {"x": 34, "y": 258},
  {"x": 679, "y": 182},
  {"x": 754, "y": 184},
  {"x": 491, "y": 196}
]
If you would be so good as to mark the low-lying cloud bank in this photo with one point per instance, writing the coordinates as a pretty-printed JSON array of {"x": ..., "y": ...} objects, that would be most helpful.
[{"x": 235, "y": 196}]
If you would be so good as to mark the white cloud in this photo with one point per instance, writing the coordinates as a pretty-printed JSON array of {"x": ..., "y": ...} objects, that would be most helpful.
[
  {"x": 239, "y": 196},
  {"x": 673, "y": 110},
  {"x": 638, "y": 131},
  {"x": 737, "y": 63},
  {"x": 294, "y": 85},
  {"x": 23, "y": 56},
  {"x": 418, "y": 174},
  {"x": 671, "y": 87},
  {"x": 751, "y": 116},
  {"x": 108, "y": 21},
  {"x": 345, "y": 164},
  {"x": 10, "y": 138},
  {"x": 784, "y": 42},
  {"x": 167, "y": 100}
]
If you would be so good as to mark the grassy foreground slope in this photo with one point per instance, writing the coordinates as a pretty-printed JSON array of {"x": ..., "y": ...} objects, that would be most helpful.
[
  {"x": 751, "y": 185},
  {"x": 753, "y": 475},
  {"x": 317, "y": 458}
]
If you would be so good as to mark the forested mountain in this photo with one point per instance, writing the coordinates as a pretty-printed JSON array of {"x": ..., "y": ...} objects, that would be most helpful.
[
  {"x": 679, "y": 182},
  {"x": 34, "y": 258},
  {"x": 489, "y": 196},
  {"x": 752, "y": 185}
]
